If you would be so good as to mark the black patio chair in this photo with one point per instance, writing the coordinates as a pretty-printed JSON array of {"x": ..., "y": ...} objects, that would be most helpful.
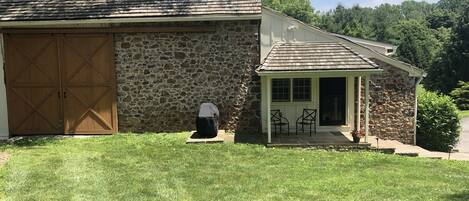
[
  {"x": 276, "y": 119},
  {"x": 307, "y": 118}
]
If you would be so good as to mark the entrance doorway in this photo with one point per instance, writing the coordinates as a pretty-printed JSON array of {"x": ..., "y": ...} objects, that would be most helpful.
[{"x": 332, "y": 101}]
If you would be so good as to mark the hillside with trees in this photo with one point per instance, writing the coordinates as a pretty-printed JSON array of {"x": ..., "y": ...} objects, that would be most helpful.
[{"x": 434, "y": 37}]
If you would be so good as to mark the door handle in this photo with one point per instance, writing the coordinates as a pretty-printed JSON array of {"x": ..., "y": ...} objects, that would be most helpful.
[
  {"x": 58, "y": 94},
  {"x": 65, "y": 94}
]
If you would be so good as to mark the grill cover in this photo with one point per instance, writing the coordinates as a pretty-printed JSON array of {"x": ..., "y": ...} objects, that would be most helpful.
[{"x": 207, "y": 120}]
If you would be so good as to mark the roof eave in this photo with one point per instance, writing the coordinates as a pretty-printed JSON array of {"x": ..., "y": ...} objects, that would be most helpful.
[
  {"x": 261, "y": 72},
  {"x": 26, "y": 23}
]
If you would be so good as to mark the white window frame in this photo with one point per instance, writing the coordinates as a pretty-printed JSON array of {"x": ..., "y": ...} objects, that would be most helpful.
[{"x": 290, "y": 88}]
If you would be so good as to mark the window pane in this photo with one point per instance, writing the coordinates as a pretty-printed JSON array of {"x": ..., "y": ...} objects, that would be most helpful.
[
  {"x": 280, "y": 90},
  {"x": 302, "y": 89}
]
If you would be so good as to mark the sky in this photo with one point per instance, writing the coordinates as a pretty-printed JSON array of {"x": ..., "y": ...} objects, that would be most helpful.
[{"x": 325, "y": 5}]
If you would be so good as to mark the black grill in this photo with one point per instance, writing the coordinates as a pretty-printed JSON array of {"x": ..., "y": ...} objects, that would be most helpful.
[{"x": 207, "y": 121}]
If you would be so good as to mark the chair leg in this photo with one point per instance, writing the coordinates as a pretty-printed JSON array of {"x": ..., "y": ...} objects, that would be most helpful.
[
  {"x": 315, "y": 129},
  {"x": 288, "y": 129},
  {"x": 296, "y": 129},
  {"x": 275, "y": 130},
  {"x": 310, "y": 130}
]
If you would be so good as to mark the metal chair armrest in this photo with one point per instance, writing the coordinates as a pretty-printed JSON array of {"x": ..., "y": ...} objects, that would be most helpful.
[
  {"x": 299, "y": 118},
  {"x": 285, "y": 119}
]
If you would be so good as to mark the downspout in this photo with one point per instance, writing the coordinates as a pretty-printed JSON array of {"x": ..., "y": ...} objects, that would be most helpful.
[{"x": 419, "y": 79}]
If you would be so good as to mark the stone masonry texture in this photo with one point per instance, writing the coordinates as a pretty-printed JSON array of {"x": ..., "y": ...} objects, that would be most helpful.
[
  {"x": 162, "y": 78},
  {"x": 392, "y": 102}
]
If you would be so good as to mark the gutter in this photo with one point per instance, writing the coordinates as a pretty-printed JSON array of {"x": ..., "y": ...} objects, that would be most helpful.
[
  {"x": 264, "y": 73},
  {"x": 131, "y": 20}
]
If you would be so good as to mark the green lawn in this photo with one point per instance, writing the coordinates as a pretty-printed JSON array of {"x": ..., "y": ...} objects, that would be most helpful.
[
  {"x": 163, "y": 167},
  {"x": 464, "y": 113}
]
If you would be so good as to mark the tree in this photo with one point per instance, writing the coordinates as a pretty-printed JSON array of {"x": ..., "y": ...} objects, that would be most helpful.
[
  {"x": 440, "y": 18},
  {"x": 377, "y": 23},
  {"x": 452, "y": 64},
  {"x": 455, "y": 6},
  {"x": 298, "y": 9},
  {"x": 416, "y": 10},
  {"x": 386, "y": 17},
  {"x": 461, "y": 95},
  {"x": 418, "y": 44}
]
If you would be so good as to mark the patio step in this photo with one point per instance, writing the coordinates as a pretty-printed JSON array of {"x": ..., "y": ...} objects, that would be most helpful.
[
  {"x": 327, "y": 146},
  {"x": 432, "y": 157},
  {"x": 385, "y": 150}
]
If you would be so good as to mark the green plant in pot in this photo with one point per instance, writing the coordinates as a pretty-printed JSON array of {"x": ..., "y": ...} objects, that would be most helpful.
[{"x": 357, "y": 135}]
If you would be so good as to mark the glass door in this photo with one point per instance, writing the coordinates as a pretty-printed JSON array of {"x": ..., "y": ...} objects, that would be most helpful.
[{"x": 332, "y": 101}]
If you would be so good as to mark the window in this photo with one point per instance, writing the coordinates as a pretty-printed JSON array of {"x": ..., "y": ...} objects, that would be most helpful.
[
  {"x": 302, "y": 89},
  {"x": 280, "y": 90}
]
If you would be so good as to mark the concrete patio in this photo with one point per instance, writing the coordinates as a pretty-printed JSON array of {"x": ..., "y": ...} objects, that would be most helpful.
[{"x": 319, "y": 139}]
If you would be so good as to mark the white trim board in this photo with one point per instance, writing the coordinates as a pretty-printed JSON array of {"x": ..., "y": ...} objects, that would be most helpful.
[
  {"x": 319, "y": 73},
  {"x": 4, "y": 132}
]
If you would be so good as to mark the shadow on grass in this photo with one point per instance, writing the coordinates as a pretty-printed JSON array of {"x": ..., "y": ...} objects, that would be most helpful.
[
  {"x": 249, "y": 138},
  {"x": 34, "y": 141},
  {"x": 459, "y": 196}
]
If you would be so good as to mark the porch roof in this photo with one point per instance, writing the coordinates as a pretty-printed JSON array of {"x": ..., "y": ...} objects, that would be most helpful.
[{"x": 315, "y": 56}]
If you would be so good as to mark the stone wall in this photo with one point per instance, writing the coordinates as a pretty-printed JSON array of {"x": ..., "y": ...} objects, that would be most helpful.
[
  {"x": 162, "y": 78},
  {"x": 392, "y": 104}
]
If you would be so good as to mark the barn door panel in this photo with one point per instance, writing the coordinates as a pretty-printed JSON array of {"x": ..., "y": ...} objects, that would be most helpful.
[
  {"x": 33, "y": 88},
  {"x": 88, "y": 79}
]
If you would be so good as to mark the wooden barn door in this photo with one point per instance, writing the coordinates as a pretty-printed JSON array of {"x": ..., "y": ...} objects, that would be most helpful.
[
  {"x": 88, "y": 81},
  {"x": 60, "y": 84},
  {"x": 33, "y": 84}
]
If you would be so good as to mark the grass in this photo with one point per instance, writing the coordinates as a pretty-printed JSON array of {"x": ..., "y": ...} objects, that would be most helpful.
[
  {"x": 162, "y": 167},
  {"x": 464, "y": 113}
]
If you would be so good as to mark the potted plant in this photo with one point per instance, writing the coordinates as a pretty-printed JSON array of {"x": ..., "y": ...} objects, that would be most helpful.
[{"x": 357, "y": 134}]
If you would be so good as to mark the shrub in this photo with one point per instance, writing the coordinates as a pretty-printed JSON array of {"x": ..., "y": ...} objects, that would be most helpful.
[
  {"x": 461, "y": 95},
  {"x": 437, "y": 121}
]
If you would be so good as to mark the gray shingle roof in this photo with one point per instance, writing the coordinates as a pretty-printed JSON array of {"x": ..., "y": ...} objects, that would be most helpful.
[
  {"x": 25, "y": 10},
  {"x": 314, "y": 56}
]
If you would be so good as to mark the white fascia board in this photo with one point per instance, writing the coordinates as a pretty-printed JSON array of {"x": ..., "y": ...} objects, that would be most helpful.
[
  {"x": 319, "y": 73},
  {"x": 130, "y": 20}
]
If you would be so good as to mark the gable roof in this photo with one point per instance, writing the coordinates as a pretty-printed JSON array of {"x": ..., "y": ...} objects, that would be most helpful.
[
  {"x": 363, "y": 50},
  {"x": 36, "y": 10},
  {"x": 314, "y": 56}
]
